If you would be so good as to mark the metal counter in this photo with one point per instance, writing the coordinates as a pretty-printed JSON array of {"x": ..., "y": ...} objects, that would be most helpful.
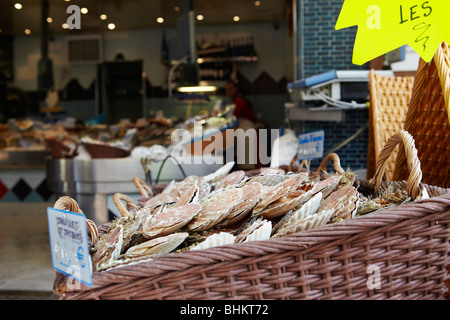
[
  {"x": 11, "y": 158},
  {"x": 93, "y": 182}
]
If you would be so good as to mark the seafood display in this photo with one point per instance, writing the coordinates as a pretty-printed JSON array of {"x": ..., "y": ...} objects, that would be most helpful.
[{"x": 227, "y": 208}]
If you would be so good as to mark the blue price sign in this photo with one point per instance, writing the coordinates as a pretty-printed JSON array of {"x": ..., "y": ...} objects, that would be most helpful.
[
  {"x": 69, "y": 244},
  {"x": 310, "y": 145}
]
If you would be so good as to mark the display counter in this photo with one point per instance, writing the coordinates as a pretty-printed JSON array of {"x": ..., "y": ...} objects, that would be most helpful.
[
  {"x": 23, "y": 176},
  {"x": 93, "y": 182}
]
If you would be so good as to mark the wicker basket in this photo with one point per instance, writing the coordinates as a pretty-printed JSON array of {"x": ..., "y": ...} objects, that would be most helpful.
[
  {"x": 60, "y": 148},
  {"x": 408, "y": 243},
  {"x": 428, "y": 120},
  {"x": 389, "y": 99},
  {"x": 104, "y": 151}
]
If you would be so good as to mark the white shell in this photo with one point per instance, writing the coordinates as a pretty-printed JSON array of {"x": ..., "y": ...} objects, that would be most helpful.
[
  {"x": 217, "y": 239},
  {"x": 308, "y": 223},
  {"x": 307, "y": 209},
  {"x": 104, "y": 244},
  {"x": 258, "y": 230},
  {"x": 158, "y": 246},
  {"x": 219, "y": 173}
]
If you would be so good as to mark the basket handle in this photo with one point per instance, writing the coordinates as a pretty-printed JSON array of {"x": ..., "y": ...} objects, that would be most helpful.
[
  {"x": 294, "y": 158},
  {"x": 415, "y": 172},
  {"x": 144, "y": 189},
  {"x": 118, "y": 198},
  {"x": 69, "y": 204},
  {"x": 336, "y": 163}
]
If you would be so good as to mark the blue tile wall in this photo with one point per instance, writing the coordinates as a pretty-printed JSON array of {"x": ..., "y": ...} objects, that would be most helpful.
[
  {"x": 325, "y": 48},
  {"x": 354, "y": 154}
]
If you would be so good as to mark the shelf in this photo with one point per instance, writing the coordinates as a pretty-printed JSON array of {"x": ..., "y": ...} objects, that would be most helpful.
[{"x": 201, "y": 60}]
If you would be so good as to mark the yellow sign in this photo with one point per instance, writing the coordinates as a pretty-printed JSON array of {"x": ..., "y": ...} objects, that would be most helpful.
[{"x": 385, "y": 25}]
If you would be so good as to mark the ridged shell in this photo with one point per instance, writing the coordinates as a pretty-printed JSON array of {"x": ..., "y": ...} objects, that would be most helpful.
[
  {"x": 188, "y": 195},
  {"x": 109, "y": 247},
  {"x": 309, "y": 208},
  {"x": 271, "y": 179},
  {"x": 215, "y": 240},
  {"x": 250, "y": 196},
  {"x": 280, "y": 190},
  {"x": 169, "y": 187},
  {"x": 158, "y": 246},
  {"x": 344, "y": 203},
  {"x": 272, "y": 171},
  {"x": 326, "y": 186},
  {"x": 215, "y": 208},
  {"x": 285, "y": 204},
  {"x": 204, "y": 189},
  {"x": 169, "y": 220},
  {"x": 231, "y": 179},
  {"x": 219, "y": 173},
  {"x": 311, "y": 222},
  {"x": 260, "y": 229},
  {"x": 159, "y": 199}
]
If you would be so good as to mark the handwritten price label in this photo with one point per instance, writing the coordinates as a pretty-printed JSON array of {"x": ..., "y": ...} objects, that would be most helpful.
[
  {"x": 385, "y": 25},
  {"x": 310, "y": 145},
  {"x": 69, "y": 244}
]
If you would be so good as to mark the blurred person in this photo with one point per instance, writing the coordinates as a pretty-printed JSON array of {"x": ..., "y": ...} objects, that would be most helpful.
[
  {"x": 243, "y": 108},
  {"x": 244, "y": 113}
]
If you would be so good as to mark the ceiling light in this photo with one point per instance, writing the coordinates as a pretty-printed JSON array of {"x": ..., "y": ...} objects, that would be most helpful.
[
  {"x": 177, "y": 8},
  {"x": 18, "y": 6},
  {"x": 27, "y": 31},
  {"x": 197, "y": 89},
  {"x": 200, "y": 17},
  {"x": 160, "y": 19},
  {"x": 111, "y": 26},
  {"x": 66, "y": 0},
  {"x": 84, "y": 10},
  {"x": 65, "y": 26},
  {"x": 236, "y": 18},
  {"x": 103, "y": 17},
  {"x": 49, "y": 20},
  {"x": 257, "y": 3}
]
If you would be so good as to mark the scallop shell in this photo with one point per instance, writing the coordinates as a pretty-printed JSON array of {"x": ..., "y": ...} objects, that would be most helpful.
[
  {"x": 159, "y": 199},
  {"x": 259, "y": 229},
  {"x": 108, "y": 247},
  {"x": 189, "y": 195},
  {"x": 158, "y": 246},
  {"x": 343, "y": 201},
  {"x": 171, "y": 220},
  {"x": 311, "y": 222},
  {"x": 272, "y": 171},
  {"x": 169, "y": 187},
  {"x": 284, "y": 205},
  {"x": 215, "y": 208},
  {"x": 204, "y": 189},
  {"x": 123, "y": 261},
  {"x": 280, "y": 190},
  {"x": 309, "y": 208},
  {"x": 215, "y": 240},
  {"x": 250, "y": 196},
  {"x": 219, "y": 173},
  {"x": 268, "y": 179},
  {"x": 231, "y": 179},
  {"x": 327, "y": 186}
]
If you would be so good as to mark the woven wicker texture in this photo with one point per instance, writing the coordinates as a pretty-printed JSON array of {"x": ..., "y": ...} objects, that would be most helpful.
[
  {"x": 407, "y": 246},
  {"x": 104, "y": 151},
  {"x": 389, "y": 98},
  {"x": 408, "y": 243},
  {"x": 428, "y": 120}
]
